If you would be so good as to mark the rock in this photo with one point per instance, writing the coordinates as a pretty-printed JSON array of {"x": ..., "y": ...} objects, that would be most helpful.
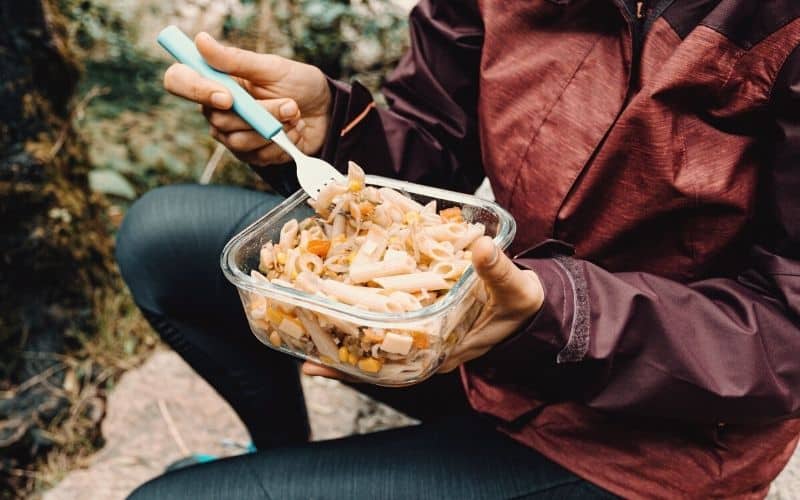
[{"x": 140, "y": 441}]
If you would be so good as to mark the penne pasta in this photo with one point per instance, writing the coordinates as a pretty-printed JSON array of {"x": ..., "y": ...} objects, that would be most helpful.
[
  {"x": 375, "y": 249},
  {"x": 474, "y": 231},
  {"x": 446, "y": 232},
  {"x": 362, "y": 273},
  {"x": 450, "y": 269},
  {"x": 414, "y": 282},
  {"x": 288, "y": 234}
]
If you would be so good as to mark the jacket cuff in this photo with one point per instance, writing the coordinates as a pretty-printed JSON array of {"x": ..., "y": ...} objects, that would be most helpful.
[{"x": 562, "y": 324}]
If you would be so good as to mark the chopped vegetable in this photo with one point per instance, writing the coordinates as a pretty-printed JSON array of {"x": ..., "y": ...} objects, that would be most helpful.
[
  {"x": 421, "y": 340},
  {"x": 370, "y": 365},
  {"x": 275, "y": 339},
  {"x": 452, "y": 214},
  {"x": 319, "y": 247}
]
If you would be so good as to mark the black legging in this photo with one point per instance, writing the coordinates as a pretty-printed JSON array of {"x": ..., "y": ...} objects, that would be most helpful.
[{"x": 168, "y": 251}]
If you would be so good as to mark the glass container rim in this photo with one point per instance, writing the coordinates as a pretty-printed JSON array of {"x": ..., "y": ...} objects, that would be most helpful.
[{"x": 506, "y": 230}]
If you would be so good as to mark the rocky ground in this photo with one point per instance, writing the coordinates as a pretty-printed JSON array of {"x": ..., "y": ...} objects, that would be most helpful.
[
  {"x": 151, "y": 423},
  {"x": 162, "y": 411}
]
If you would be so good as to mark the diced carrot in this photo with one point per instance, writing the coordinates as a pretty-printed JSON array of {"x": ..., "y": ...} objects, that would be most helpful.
[
  {"x": 319, "y": 247},
  {"x": 420, "y": 340},
  {"x": 367, "y": 209}
]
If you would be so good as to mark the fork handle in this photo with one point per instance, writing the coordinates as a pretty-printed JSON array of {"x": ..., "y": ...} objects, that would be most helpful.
[{"x": 183, "y": 49}]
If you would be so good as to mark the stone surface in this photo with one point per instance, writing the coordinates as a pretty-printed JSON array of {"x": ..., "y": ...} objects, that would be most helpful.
[{"x": 162, "y": 412}]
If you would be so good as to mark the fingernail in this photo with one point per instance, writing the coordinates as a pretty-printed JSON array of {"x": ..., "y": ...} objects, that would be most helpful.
[
  {"x": 219, "y": 99},
  {"x": 301, "y": 124},
  {"x": 288, "y": 109}
]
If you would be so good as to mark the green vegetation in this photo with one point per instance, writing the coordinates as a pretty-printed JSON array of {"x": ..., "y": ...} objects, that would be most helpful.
[{"x": 128, "y": 136}]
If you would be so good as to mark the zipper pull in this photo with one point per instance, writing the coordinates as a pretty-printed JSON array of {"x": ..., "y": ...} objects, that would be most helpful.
[{"x": 640, "y": 9}]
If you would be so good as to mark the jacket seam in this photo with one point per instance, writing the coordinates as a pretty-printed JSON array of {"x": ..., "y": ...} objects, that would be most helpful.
[
  {"x": 748, "y": 46},
  {"x": 538, "y": 130}
]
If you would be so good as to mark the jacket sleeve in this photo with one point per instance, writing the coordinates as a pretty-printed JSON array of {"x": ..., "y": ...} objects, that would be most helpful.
[
  {"x": 428, "y": 134},
  {"x": 717, "y": 350}
]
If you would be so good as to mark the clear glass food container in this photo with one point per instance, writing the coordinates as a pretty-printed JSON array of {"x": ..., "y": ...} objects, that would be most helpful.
[{"x": 279, "y": 316}]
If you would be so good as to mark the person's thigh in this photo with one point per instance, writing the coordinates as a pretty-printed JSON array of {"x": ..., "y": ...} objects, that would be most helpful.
[
  {"x": 460, "y": 458},
  {"x": 437, "y": 397},
  {"x": 169, "y": 245},
  {"x": 168, "y": 250}
]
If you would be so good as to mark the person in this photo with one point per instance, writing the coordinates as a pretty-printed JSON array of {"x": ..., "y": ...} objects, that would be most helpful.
[{"x": 643, "y": 341}]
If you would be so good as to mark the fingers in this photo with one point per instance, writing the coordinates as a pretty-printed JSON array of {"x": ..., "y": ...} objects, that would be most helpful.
[
  {"x": 248, "y": 140},
  {"x": 260, "y": 68},
  {"x": 182, "y": 81},
  {"x": 315, "y": 370},
  {"x": 266, "y": 152},
  {"x": 504, "y": 280},
  {"x": 243, "y": 141},
  {"x": 285, "y": 110}
]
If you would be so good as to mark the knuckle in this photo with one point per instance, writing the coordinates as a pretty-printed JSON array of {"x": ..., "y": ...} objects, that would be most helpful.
[
  {"x": 237, "y": 141},
  {"x": 505, "y": 273},
  {"x": 216, "y": 119}
]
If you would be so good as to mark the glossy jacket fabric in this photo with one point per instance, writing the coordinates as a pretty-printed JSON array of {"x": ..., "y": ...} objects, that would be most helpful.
[{"x": 653, "y": 167}]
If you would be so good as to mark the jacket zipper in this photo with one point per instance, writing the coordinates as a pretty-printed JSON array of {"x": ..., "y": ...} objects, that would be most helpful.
[{"x": 640, "y": 10}]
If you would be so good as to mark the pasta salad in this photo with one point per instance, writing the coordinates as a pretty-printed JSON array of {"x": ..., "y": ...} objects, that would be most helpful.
[{"x": 374, "y": 249}]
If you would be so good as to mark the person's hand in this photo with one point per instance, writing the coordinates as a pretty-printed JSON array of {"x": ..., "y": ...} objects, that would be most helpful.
[
  {"x": 514, "y": 297},
  {"x": 297, "y": 94}
]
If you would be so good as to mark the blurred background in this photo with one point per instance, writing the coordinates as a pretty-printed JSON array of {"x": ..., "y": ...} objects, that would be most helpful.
[{"x": 85, "y": 129}]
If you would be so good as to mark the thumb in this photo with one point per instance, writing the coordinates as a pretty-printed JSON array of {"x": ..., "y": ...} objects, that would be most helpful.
[
  {"x": 258, "y": 68},
  {"x": 502, "y": 278}
]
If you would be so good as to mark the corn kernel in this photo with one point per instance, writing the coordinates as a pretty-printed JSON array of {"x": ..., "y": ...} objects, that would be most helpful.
[
  {"x": 411, "y": 218},
  {"x": 275, "y": 316},
  {"x": 275, "y": 339},
  {"x": 293, "y": 274},
  {"x": 352, "y": 359},
  {"x": 344, "y": 354},
  {"x": 326, "y": 360},
  {"x": 370, "y": 365},
  {"x": 355, "y": 186},
  {"x": 452, "y": 214},
  {"x": 350, "y": 257},
  {"x": 281, "y": 258}
]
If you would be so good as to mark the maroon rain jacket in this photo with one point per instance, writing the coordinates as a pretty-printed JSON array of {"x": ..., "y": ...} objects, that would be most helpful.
[{"x": 652, "y": 163}]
